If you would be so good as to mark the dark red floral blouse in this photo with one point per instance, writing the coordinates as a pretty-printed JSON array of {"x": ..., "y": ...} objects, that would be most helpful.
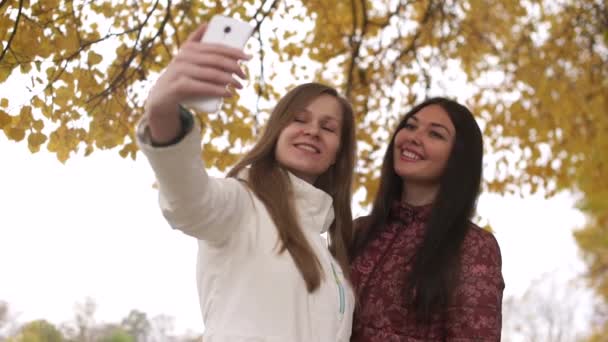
[{"x": 379, "y": 272}]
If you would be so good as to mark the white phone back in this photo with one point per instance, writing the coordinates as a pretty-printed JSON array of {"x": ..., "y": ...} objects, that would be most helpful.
[{"x": 217, "y": 32}]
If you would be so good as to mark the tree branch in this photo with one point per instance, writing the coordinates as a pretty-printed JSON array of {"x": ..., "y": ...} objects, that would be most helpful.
[
  {"x": 82, "y": 48},
  {"x": 178, "y": 42},
  {"x": 264, "y": 14},
  {"x": 120, "y": 79},
  {"x": 257, "y": 30},
  {"x": 356, "y": 41},
  {"x": 12, "y": 36},
  {"x": 425, "y": 18}
]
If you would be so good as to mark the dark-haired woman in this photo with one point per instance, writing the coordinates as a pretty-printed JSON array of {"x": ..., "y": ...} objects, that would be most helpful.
[{"x": 422, "y": 270}]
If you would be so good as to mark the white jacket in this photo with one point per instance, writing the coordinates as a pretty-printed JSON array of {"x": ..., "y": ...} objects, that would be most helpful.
[{"x": 248, "y": 292}]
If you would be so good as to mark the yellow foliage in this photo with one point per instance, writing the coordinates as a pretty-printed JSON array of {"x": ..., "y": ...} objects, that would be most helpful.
[
  {"x": 378, "y": 53},
  {"x": 5, "y": 119},
  {"x": 539, "y": 71}
]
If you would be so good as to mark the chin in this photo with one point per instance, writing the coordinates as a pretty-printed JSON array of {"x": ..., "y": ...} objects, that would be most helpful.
[
  {"x": 407, "y": 173},
  {"x": 416, "y": 177}
]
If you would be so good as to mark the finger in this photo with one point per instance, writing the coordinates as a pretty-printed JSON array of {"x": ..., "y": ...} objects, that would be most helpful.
[
  {"x": 211, "y": 60},
  {"x": 197, "y": 34},
  {"x": 190, "y": 88},
  {"x": 209, "y": 75}
]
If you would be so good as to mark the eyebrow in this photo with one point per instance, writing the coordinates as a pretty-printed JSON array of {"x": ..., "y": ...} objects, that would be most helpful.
[
  {"x": 433, "y": 124},
  {"x": 326, "y": 117}
]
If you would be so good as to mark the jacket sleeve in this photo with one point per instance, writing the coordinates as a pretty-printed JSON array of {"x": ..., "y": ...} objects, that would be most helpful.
[
  {"x": 201, "y": 206},
  {"x": 475, "y": 314}
]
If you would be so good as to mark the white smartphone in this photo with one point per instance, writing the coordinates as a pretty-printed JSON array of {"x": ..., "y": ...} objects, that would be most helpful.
[{"x": 227, "y": 31}]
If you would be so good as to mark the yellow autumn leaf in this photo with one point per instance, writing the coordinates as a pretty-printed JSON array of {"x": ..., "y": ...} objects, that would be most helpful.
[
  {"x": 25, "y": 68},
  {"x": 62, "y": 96},
  {"x": 38, "y": 125},
  {"x": 50, "y": 72},
  {"x": 37, "y": 102},
  {"x": 25, "y": 116},
  {"x": 5, "y": 119},
  {"x": 5, "y": 72},
  {"x": 94, "y": 58},
  {"x": 34, "y": 141},
  {"x": 124, "y": 152},
  {"x": 88, "y": 150},
  {"x": 15, "y": 133}
]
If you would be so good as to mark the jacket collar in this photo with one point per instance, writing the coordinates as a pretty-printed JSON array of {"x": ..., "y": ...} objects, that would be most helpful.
[
  {"x": 312, "y": 202},
  {"x": 314, "y": 206}
]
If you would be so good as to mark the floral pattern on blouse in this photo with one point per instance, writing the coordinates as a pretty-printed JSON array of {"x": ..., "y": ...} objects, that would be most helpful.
[{"x": 379, "y": 272}]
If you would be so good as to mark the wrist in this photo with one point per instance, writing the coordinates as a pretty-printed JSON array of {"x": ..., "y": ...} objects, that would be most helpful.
[{"x": 169, "y": 129}]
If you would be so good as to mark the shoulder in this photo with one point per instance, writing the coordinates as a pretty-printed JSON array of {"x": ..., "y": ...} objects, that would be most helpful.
[
  {"x": 361, "y": 222},
  {"x": 360, "y": 231},
  {"x": 481, "y": 246},
  {"x": 480, "y": 267},
  {"x": 477, "y": 236},
  {"x": 362, "y": 226}
]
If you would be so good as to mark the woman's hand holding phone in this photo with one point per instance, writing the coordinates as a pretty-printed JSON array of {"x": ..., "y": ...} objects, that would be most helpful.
[{"x": 199, "y": 70}]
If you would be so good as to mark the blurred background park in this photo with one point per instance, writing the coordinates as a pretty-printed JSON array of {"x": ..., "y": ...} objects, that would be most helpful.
[{"x": 85, "y": 254}]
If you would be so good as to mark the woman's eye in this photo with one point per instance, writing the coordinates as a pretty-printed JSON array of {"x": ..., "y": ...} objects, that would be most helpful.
[
  {"x": 436, "y": 135},
  {"x": 329, "y": 129},
  {"x": 409, "y": 126}
]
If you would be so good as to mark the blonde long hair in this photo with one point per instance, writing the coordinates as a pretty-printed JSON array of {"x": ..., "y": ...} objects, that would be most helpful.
[{"x": 270, "y": 182}]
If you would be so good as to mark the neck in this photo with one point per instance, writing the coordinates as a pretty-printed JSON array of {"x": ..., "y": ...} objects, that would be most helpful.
[
  {"x": 307, "y": 178},
  {"x": 419, "y": 194}
]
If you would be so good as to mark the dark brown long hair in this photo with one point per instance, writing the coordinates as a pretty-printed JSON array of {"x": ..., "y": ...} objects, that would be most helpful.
[
  {"x": 270, "y": 182},
  {"x": 437, "y": 261}
]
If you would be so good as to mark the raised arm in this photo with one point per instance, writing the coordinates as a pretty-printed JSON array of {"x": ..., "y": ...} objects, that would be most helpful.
[{"x": 199, "y": 205}]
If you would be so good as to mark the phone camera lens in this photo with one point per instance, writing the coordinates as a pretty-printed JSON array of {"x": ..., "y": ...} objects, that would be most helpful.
[{"x": 227, "y": 29}]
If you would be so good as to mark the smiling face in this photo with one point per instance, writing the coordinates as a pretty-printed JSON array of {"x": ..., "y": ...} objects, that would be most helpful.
[
  {"x": 422, "y": 147},
  {"x": 309, "y": 144}
]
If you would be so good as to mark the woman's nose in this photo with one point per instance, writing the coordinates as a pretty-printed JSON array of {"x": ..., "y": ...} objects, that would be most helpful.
[
  {"x": 312, "y": 128},
  {"x": 416, "y": 137}
]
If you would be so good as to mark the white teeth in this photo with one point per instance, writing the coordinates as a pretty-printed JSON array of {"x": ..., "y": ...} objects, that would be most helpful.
[
  {"x": 308, "y": 148},
  {"x": 410, "y": 155}
]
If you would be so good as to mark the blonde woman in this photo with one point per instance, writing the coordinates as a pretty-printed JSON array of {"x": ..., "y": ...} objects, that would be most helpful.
[{"x": 264, "y": 271}]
